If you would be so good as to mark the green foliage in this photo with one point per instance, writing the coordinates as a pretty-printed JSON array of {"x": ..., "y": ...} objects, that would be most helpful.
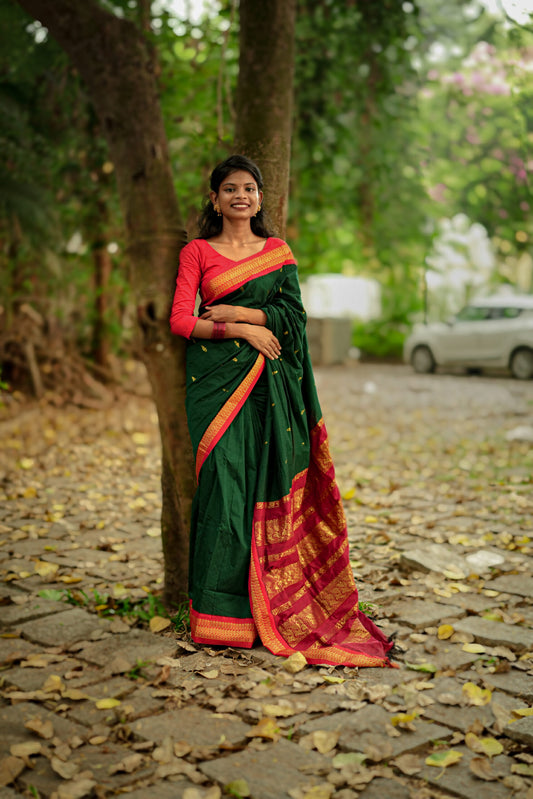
[{"x": 107, "y": 606}]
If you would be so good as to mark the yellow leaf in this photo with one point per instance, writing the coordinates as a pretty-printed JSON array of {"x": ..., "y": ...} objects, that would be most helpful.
[
  {"x": 484, "y": 746},
  {"x": 278, "y": 710},
  {"x": 45, "y": 569},
  {"x": 444, "y": 758},
  {"x": 29, "y": 492},
  {"x": 74, "y": 694},
  {"x": 154, "y": 532},
  {"x": 69, "y": 579},
  {"x": 445, "y": 631},
  {"x": 403, "y": 718},
  {"x": 523, "y": 711},
  {"x": 333, "y": 680},
  {"x": 476, "y": 695},
  {"x": 295, "y": 663},
  {"x": 26, "y": 463},
  {"x": 158, "y": 623},
  {"x": 265, "y": 728},
  {"x": 119, "y": 590},
  {"x": 238, "y": 788},
  {"x": 473, "y": 649},
  {"x": 371, "y": 519},
  {"x": 107, "y": 704},
  {"x": 350, "y": 494},
  {"x": 53, "y": 683},
  {"x": 140, "y": 438}
]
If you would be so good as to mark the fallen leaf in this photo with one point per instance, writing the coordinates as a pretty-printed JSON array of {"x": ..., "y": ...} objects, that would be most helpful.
[
  {"x": 476, "y": 695},
  {"x": 525, "y": 769},
  {"x": 444, "y": 758},
  {"x": 523, "y": 711},
  {"x": 403, "y": 718},
  {"x": 45, "y": 569},
  {"x": 107, "y": 704},
  {"x": 165, "y": 752},
  {"x": 10, "y": 768},
  {"x": 238, "y": 788},
  {"x": 45, "y": 729},
  {"x": 408, "y": 764},
  {"x": 158, "y": 623},
  {"x": 473, "y": 649},
  {"x": 77, "y": 789},
  {"x": 74, "y": 694},
  {"x": 425, "y": 667},
  {"x": 484, "y": 746},
  {"x": 265, "y": 728},
  {"x": 295, "y": 663},
  {"x": 283, "y": 711},
  {"x": 25, "y": 749},
  {"x": 325, "y": 740},
  {"x": 212, "y": 674},
  {"x": 445, "y": 631},
  {"x": 53, "y": 683},
  {"x": 128, "y": 765},
  {"x": 324, "y": 791},
  {"x": 481, "y": 767},
  {"x": 344, "y": 759},
  {"x": 65, "y": 770}
]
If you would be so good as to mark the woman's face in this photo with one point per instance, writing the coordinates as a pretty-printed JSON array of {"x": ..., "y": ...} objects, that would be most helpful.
[{"x": 238, "y": 196}]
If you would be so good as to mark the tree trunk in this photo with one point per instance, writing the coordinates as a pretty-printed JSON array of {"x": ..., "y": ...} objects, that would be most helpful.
[
  {"x": 264, "y": 96},
  {"x": 117, "y": 66}
]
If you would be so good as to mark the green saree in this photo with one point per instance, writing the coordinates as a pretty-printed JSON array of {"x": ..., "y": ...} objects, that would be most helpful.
[{"x": 269, "y": 548}]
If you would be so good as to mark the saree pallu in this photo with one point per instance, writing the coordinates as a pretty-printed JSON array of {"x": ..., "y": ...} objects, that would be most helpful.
[{"x": 269, "y": 547}]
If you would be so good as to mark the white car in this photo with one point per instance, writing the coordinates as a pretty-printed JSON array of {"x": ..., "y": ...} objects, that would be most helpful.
[{"x": 495, "y": 332}]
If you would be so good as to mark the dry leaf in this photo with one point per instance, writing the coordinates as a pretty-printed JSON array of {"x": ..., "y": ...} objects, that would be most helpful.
[
  {"x": 53, "y": 683},
  {"x": 295, "y": 663},
  {"x": 10, "y": 768},
  {"x": 265, "y": 728},
  {"x": 476, "y": 695},
  {"x": 473, "y": 649},
  {"x": 524, "y": 769},
  {"x": 484, "y": 746},
  {"x": 45, "y": 569},
  {"x": 481, "y": 767},
  {"x": 77, "y": 789},
  {"x": 45, "y": 729},
  {"x": 165, "y": 752},
  {"x": 158, "y": 623},
  {"x": 324, "y": 791},
  {"x": 349, "y": 759},
  {"x": 65, "y": 770},
  {"x": 108, "y": 703},
  {"x": 212, "y": 674},
  {"x": 25, "y": 749},
  {"x": 283, "y": 711},
  {"x": 129, "y": 764},
  {"x": 408, "y": 764},
  {"x": 325, "y": 740}
]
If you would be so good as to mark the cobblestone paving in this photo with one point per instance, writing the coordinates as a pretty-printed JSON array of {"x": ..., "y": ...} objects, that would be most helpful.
[{"x": 436, "y": 473}]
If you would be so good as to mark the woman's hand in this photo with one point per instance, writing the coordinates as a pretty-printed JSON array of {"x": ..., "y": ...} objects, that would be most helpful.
[
  {"x": 222, "y": 313},
  {"x": 263, "y": 340}
]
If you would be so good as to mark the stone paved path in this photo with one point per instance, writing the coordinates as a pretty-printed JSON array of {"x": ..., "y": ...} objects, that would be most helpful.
[{"x": 436, "y": 472}]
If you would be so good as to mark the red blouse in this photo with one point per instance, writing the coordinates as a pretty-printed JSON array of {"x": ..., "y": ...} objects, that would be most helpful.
[{"x": 199, "y": 263}]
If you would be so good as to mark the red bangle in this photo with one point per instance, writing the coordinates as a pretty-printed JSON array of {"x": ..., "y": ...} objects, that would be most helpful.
[{"x": 219, "y": 330}]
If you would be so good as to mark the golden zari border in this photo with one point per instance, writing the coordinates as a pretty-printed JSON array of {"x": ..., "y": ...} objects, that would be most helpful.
[
  {"x": 241, "y": 273},
  {"x": 222, "y": 630},
  {"x": 227, "y": 413}
]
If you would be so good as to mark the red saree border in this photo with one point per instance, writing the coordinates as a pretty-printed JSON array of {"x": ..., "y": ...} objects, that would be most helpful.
[
  {"x": 221, "y": 630},
  {"x": 320, "y": 614},
  {"x": 227, "y": 413},
  {"x": 258, "y": 265}
]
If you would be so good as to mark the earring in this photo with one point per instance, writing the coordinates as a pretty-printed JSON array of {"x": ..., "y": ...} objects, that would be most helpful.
[
  {"x": 217, "y": 209},
  {"x": 258, "y": 209}
]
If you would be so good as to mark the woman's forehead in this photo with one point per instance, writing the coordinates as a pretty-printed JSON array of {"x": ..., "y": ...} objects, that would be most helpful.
[{"x": 239, "y": 176}]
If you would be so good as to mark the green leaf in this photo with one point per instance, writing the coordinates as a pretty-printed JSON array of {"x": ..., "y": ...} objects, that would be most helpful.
[
  {"x": 429, "y": 668},
  {"x": 52, "y": 593}
]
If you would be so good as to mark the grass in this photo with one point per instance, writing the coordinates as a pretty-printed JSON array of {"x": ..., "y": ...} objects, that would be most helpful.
[{"x": 105, "y": 605}]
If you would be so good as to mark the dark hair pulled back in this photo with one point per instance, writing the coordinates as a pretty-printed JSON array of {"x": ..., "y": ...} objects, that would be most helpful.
[{"x": 210, "y": 223}]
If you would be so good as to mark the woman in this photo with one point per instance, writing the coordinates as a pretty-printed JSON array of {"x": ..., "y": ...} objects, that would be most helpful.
[{"x": 269, "y": 548}]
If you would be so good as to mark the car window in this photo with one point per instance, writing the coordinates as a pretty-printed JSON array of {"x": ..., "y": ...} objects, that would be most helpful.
[{"x": 472, "y": 313}]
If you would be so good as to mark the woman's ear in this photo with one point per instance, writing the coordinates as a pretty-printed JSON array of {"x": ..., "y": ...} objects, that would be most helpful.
[{"x": 213, "y": 196}]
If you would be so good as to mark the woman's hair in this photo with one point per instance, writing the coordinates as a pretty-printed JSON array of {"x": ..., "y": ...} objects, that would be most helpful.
[{"x": 210, "y": 223}]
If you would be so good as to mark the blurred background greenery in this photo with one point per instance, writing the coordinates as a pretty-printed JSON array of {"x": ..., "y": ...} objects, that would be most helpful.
[{"x": 411, "y": 159}]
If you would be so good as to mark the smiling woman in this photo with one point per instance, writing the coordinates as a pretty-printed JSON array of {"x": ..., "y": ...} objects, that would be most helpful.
[{"x": 269, "y": 548}]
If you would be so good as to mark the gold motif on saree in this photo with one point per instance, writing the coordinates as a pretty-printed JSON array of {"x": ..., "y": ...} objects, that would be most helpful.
[{"x": 243, "y": 272}]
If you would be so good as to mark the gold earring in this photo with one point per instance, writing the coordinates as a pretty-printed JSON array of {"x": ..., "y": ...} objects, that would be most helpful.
[
  {"x": 217, "y": 209},
  {"x": 258, "y": 209}
]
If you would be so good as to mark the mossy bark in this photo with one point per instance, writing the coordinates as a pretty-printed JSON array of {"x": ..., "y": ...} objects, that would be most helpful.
[
  {"x": 264, "y": 96},
  {"x": 118, "y": 68}
]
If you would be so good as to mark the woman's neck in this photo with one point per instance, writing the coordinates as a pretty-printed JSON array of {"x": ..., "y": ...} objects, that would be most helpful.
[{"x": 236, "y": 234}]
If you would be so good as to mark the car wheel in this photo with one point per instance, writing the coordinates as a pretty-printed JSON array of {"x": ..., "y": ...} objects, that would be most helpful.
[
  {"x": 522, "y": 364},
  {"x": 422, "y": 360}
]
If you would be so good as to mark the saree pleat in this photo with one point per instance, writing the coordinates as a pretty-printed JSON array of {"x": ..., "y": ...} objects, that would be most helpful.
[{"x": 269, "y": 546}]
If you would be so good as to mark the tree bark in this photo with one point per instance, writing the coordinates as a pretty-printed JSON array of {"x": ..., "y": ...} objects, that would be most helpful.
[
  {"x": 264, "y": 96},
  {"x": 117, "y": 66}
]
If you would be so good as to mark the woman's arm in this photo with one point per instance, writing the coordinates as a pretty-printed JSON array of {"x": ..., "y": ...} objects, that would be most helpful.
[
  {"x": 259, "y": 337},
  {"x": 234, "y": 313}
]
